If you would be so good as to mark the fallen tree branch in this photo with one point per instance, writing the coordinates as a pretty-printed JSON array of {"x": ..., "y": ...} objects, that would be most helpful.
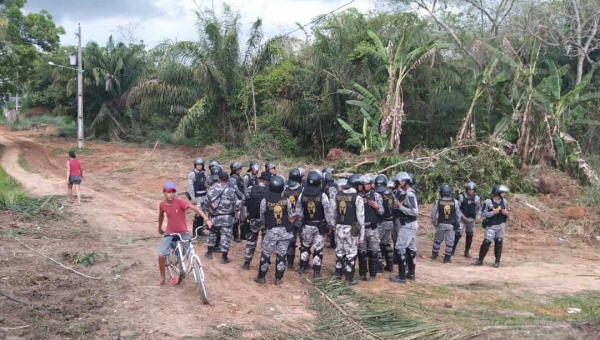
[
  {"x": 359, "y": 164},
  {"x": 13, "y": 328},
  {"x": 58, "y": 263},
  {"x": 13, "y": 299}
]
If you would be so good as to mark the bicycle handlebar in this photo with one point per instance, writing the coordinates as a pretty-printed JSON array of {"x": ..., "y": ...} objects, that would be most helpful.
[{"x": 181, "y": 238}]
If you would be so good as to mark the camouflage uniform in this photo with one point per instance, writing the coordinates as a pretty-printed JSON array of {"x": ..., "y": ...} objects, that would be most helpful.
[
  {"x": 386, "y": 226},
  {"x": 200, "y": 197},
  {"x": 470, "y": 207},
  {"x": 370, "y": 248},
  {"x": 233, "y": 183},
  {"x": 331, "y": 191},
  {"x": 444, "y": 231},
  {"x": 346, "y": 244},
  {"x": 406, "y": 240},
  {"x": 255, "y": 226},
  {"x": 224, "y": 199},
  {"x": 313, "y": 234},
  {"x": 276, "y": 239},
  {"x": 296, "y": 227}
]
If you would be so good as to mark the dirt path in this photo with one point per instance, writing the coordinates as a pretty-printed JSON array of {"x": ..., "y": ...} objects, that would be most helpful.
[
  {"x": 171, "y": 310},
  {"x": 118, "y": 206}
]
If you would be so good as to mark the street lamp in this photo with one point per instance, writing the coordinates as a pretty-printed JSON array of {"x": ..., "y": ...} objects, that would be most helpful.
[{"x": 79, "y": 71}]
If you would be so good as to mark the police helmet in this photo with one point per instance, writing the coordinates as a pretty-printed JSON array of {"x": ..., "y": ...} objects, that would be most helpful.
[
  {"x": 354, "y": 181},
  {"x": 215, "y": 170},
  {"x": 302, "y": 171},
  {"x": 269, "y": 166},
  {"x": 328, "y": 170},
  {"x": 213, "y": 163},
  {"x": 380, "y": 180},
  {"x": 253, "y": 165},
  {"x": 235, "y": 166},
  {"x": 471, "y": 186},
  {"x": 294, "y": 177},
  {"x": 445, "y": 190},
  {"x": 364, "y": 179},
  {"x": 277, "y": 184},
  {"x": 403, "y": 176},
  {"x": 413, "y": 179},
  {"x": 391, "y": 185},
  {"x": 199, "y": 161},
  {"x": 313, "y": 179},
  {"x": 327, "y": 178},
  {"x": 499, "y": 189},
  {"x": 342, "y": 183}
]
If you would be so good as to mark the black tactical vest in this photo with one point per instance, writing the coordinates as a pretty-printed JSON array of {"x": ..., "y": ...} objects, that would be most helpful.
[
  {"x": 276, "y": 214},
  {"x": 468, "y": 207},
  {"x": 292, "y": 195},
  {"x": 400, "y": 196},
  {"x": 252, "y": 180},
  {"x": 312, "y": 206},
  {"x": 403, "y": 217},
  {"x": 239, "y": 182},
  {"x": 499, "y": 218},
  {"x": 388, "y": 205},
  {"x": 370, "y": 212},
  {"x": 446, "y": 211},
  {"x": 346, "y": 208},
  {"x": 257, "y": 194},
  {"x": 200, "y": 183}
]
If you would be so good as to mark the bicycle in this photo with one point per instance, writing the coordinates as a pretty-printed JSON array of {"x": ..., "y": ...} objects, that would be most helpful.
[{"x": 178, "y": 266}]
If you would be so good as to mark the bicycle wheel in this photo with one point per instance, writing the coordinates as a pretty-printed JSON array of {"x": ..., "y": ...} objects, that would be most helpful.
[
  {"x": 175, "y": 266},
  {"x": 199, "y": 277}
]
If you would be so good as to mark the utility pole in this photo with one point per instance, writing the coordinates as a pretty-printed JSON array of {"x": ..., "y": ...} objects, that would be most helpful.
[
  {"x": 79, "y": 91},
  {"x": 17, "y": 99}
]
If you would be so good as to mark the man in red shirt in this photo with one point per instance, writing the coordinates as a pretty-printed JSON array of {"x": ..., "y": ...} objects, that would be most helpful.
[{"x": 175, "y": 209}]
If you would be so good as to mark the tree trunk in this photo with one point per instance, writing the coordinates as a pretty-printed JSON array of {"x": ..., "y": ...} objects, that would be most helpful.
[
  {"x": 580, "y": 60},
  {"x": 253, "y": 103}
]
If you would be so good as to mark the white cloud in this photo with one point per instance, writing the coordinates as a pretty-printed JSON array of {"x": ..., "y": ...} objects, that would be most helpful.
[{"x": 170, "y": 19}]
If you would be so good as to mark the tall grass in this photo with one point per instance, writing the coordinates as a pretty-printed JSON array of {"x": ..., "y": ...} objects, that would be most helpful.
[
  {"x": 65, "y": 125},
  {"x": 13, "y": 198}
]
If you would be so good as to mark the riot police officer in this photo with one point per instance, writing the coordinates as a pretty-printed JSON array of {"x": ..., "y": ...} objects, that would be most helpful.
[
  {"x": 386, "y": 222},
  {"x": 255, "y": 197},
  {"x": 470, "y": 207},
  {"x": 276, "y": 213},
  {"x": 196, "y": 192},
  {"x": 250, "y": 179},
  {"x": 237, "y": 183},
  {"x": 445, "y": 216},
  {"x": 271, "y": 168},
  {"x": 368, "y": 252},
  {"x": 348, "y": 210},
  {"x": 495, "y": 211},
  {"x": 330, "y": 188},
  {"x": 292, "y": 191}
]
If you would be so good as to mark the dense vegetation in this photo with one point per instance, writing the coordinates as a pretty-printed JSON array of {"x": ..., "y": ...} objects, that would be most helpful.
[{"x": 516, "y": 74}]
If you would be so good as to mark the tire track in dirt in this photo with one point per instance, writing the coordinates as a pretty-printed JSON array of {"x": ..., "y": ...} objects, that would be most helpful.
[{"x": 171, "y": 311}]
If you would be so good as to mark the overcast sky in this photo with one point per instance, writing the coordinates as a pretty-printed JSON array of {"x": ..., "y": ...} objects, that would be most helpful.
[{"x": 156, "y": 20}]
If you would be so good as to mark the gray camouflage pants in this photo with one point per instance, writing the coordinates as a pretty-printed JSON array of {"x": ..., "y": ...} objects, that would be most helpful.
[
  {"x": 256, "y": 227},
  {"x": 276, "y": 240},
  {"x": 346, "y": 248},
  {"x": 395, "y": 230},
  {"x": 468, "y": 226},
  {"x": 225, "y": 231},
  {"x": 311, "y": 237},
  {"x": 385, "y": 238},
  {"x": 407, "y": 238},
  {"x": 444, "y": 232},
  {"x": 495, "y": 233}
]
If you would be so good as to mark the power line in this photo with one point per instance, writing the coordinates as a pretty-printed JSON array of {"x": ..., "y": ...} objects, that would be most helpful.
[{"x": 305, "y": 25}]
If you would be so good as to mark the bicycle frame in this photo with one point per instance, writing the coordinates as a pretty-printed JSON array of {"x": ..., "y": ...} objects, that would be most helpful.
[{"x": 189, "y": 255}]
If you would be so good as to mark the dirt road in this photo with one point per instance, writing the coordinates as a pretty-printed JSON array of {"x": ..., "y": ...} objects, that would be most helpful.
[{"x": 121, "y": 196}]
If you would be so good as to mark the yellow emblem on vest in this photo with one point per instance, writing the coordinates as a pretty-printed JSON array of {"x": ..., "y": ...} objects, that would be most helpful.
[
  {"x": 447, "y": 211},
  {"x": 311, "y": 209},
  {"x": 278, "y": 212},
  {"x": 342, "y": 210},
  {"x": 293, "y": 200}
]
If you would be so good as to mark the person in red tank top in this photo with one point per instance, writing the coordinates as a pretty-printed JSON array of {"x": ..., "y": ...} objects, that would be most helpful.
[{"x": 74, "y": 176}]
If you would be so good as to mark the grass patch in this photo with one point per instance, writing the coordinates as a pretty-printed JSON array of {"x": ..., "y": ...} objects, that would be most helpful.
[
  {"x": 13, "y": 198},
  {"x": 23, "y": 163},
  {"x": 591, "y": 195},
  {"x": 65, "y": 125},
  {"x": 124, "y": 170},
  {"x": 60, "y": 151}
]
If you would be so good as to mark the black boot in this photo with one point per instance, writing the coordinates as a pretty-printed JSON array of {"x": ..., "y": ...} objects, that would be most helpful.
[
  {"x": 485, "y": 246},
  {"x": 218, "y": 242},
  {"x": 261, "y": 277},
  {"x": 457, "y": 237},
  {"x": 236, "y": 232},
  {"x": 317, "y": 274},
  {"x": 264, "y": 262},
  {"x": 401, "y": 278},
  {"x": 350, "y": 275},
  {"x": 362, "y": 265},
  {"x": 224, "y": 258},
  {"x": 303, "y": 267},
  {"x": 246, "y": 265},
  {"x": 339, "y": 262},
  {"x": 373, "y": 266},
  {"x": 447, "y": 259},
  {"x": 468, "y": 243},
  {"x": 332, "y": 240},
  {"x": 279, "y": 273},
  {"x": 290, "y": 261},
  {"x": 498, "y": 252},
  {"x": 434, "y": 255},
  {"x": 209, "y": 253},
  {"x": 244, "y": 229},
  {"x": 411, "y": 259}
]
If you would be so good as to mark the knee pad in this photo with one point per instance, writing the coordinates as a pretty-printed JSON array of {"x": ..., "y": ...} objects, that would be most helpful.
[
  {"x": 457, "y": 235},
  {"x": 469, "y": 233},
  {"x": 499, "y": 240},
  {"x": 487, "y": 243},
  {"x": 412, "y": 253}
]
